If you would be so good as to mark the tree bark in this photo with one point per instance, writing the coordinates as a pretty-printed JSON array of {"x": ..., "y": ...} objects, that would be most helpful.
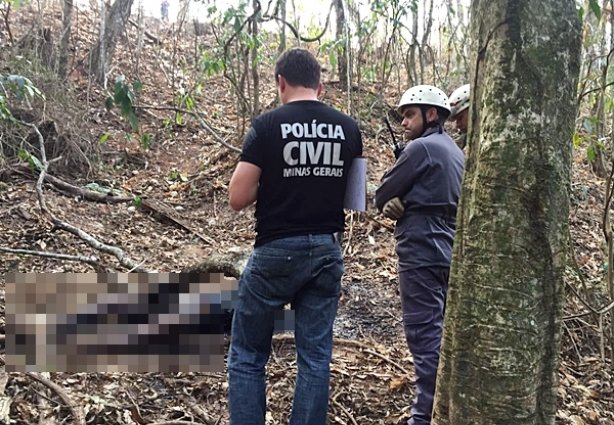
[
  {"x": 112, "y": 26},
  {"x": 254, "y": 61},
  {"x": 282, "y": 32},
  {"x": 66, "y": 30},
  {"x": 500, "y": 349},
  {"x": 342, "y": 63}
]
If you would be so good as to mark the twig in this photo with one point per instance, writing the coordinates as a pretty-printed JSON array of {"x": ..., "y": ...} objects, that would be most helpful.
[
  {"x": 378, "y": 221},
  {"x": 388, "y": 360},
  {"x": 295, "y": 31},
  {"x": 123, "y": 259},
  {"x": 176, "y": 423},
  {"x": 196, "y": 115},
  {"x": 147, "y": 33},
  {"x": 344, "y": 410},
  {"x": 77, "y": 413},
  {"x": 348, "y": 243},
  {"x": 93, "y": 261},
  {"x": 575, "y": 346}
]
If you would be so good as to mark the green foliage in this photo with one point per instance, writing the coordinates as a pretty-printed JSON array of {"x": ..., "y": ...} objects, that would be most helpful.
[
  {"x": 104, "y": 138},
  {"x": 21, "y": 88},
  {"x": 125, "y": 96},
  {"x": 594, "y": 7},
  {"x": 5, "y": 113},
  {"x": 137, "y": 201},
  {"x": 588, "y": 136},
  {"x": 14, "y": 3},
  {"x": 176, "y": 176},
  {"x": 146, "y": 139},
  {"x": 577, "y": 140},
  {"x": 211, "y": 64},
  {"x": 33, "y": 161},
  {"x": 185, "y": 99}
]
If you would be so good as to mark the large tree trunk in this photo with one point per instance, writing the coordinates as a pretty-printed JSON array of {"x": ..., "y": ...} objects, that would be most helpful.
[
  {"x": 113, "y": 24},
  {"x": 66, "y": 30},
  {"x": 500, "y": 349}
]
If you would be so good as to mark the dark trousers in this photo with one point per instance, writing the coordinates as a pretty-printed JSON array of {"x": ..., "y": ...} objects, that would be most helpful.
[{"x": 423, "y": 299}]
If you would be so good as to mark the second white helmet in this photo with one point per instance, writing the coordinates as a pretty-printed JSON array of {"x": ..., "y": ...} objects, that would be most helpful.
[
  {"x": 459, "y": 100},
  {"x": 424, "y": 95}
]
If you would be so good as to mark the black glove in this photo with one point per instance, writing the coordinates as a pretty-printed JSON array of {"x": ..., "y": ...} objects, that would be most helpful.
[{"x": 398, "y": 148}]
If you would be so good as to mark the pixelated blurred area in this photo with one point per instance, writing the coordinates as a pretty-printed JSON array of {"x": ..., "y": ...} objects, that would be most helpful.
[{"x": 132, "y": 322}]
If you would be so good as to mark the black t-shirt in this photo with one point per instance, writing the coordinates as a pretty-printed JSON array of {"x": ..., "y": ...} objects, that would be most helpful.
[{"x": 304, "y": 149}]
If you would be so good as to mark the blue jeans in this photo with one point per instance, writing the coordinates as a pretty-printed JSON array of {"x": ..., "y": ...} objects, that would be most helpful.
[{"x": 305, "y": 271}]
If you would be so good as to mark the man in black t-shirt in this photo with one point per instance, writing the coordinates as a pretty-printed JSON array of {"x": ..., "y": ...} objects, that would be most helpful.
[{"x": 294, "y": 165}]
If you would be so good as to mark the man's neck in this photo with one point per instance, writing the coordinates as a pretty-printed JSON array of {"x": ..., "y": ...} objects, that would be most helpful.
[{"x": 300, "y": 93}]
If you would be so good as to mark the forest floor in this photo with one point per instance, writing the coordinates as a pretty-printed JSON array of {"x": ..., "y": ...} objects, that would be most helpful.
[{"x": 187, "y": 170}]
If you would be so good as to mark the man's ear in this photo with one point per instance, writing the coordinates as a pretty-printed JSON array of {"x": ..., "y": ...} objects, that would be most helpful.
[
  {"x": 432, "y": 114},
  {"x": 281, "y": 83},
  {"x": 320, "y": 89}
]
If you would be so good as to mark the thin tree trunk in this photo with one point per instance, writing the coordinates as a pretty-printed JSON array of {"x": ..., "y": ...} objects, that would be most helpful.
[
  {"x": 599, "y": 162},
  {"x": 342, "y": 64},
  {"x": 500, "y": 350},
  {"x": 113, "y": 24},
  {"x": 282, "y": 34},
  {"x": 255, "y": 59},
  {"x": 66, "y": 31}
]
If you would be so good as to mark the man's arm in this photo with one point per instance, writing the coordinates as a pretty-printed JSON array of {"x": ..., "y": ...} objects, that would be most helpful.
[
  {"x": 243, "y": 188},
  {"x": 400, "y": 178}
]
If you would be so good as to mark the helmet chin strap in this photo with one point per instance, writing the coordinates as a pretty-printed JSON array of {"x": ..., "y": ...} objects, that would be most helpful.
[{"x": 426, "y": 125}]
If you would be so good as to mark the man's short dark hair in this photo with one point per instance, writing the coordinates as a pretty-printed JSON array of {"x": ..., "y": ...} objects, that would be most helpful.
[{"x": 299, "y": 67}]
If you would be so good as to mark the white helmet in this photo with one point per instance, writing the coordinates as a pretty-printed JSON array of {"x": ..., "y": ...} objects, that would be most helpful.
[
  {"x": 424, "y": 95},
  {"x": 459, "y": 100}
]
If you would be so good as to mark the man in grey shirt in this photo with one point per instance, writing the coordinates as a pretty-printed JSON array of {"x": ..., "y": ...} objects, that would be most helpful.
[{"x": 421, "y": 192}]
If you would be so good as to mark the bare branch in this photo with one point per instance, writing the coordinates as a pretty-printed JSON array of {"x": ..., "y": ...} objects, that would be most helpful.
[
  {"x": 198, "y": 117},
  {"x": 77, "y": 413},
  {"x": 123, "y": 259},
  {"x": 92, "y": 260}
]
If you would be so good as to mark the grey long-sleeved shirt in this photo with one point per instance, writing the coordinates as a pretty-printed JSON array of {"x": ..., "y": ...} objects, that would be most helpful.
[{"x": 427, "y": 177}]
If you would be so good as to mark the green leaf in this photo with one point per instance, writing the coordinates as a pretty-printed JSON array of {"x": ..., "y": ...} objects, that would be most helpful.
[
  {"x": 146, "y": 139},
  {"x": 104, "y": 138},
  {"x": 137, "y": 85},
  {"x": 137, "y": 201},
  {"x": 594, "y": 6},
  {"x": 33, "y": 162},
  {"x": 178, "y": 119},
  {"x": 581, "y": 14},
  {"x": 133, "y": 120},
  {"x": 577, "y": 139},
  {"x": 189, "y": 103}
]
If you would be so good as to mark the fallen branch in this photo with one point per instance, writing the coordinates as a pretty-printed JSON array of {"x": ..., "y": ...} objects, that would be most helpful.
[
  {"x": 162, "y": 209},
  {"x": 388, "y": 360},
  {"x": 64, "y": 187},
  {"x": 92, "y": 261},
  {"x": 345, "y": 411},
  {"x": 177, "y": 423},
  {"x": 123, "y": 259},
  {"x": 147, "y": 33},
  {"x": 76, "y": 411},
  {"x": 198, "y": 117}
]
